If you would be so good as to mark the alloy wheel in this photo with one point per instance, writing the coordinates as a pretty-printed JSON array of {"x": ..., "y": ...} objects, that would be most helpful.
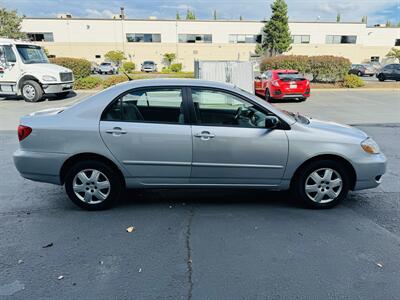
[
  {"x": 91, "y": 186},
  {"x": 323, "y": 185},
  {"x": 29, "y": 91}
]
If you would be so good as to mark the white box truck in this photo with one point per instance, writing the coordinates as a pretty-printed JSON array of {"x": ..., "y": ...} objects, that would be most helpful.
[{"x": 26, "y": 71}]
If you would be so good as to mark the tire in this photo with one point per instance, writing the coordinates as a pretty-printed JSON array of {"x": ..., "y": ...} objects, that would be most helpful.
[
  {"x": 302, "y": 99},
  {"x": 267, "y": 95},
  {"x": 62, "y": 95},
  {"x": 110, "y": 194},
  {"x": 359, "y": 73},
  {"x": 331, "y": 190},
  {"x": 381, "y": 77},
  {"x": 31, "y": 91}
]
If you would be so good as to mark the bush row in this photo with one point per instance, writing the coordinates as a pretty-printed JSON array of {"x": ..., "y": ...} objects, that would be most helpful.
[
  {"x": 80, "y": 67},
  {"x": 323, "y": 68}
]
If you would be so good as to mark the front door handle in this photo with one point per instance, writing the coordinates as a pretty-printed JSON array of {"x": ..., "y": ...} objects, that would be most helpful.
[
  {"x": 116, "y": 131},
  {"x": 205, "y": 135}
]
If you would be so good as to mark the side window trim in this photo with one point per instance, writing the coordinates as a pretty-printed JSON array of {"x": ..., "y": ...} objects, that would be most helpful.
[{"x": 186, "y": 111}]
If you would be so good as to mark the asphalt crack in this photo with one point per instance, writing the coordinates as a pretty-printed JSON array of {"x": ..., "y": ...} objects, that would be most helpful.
[{"x": 189, "y": 261}]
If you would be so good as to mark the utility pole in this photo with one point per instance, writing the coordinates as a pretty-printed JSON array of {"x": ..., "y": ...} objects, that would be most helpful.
[{"x": 122, "y": 16}]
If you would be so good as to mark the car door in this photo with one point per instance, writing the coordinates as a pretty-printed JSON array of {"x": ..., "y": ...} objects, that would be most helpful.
[
  {"x": 231, "y": 144},
  {"x": 147, "y": 131},
  {"x": 9, "y": 72}
]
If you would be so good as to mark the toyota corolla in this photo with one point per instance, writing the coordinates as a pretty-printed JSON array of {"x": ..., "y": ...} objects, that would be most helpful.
[{"x": 173, "y": 133}]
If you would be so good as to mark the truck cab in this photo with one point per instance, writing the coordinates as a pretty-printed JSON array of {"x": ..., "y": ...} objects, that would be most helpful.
[{"x": 26, "y": 71}]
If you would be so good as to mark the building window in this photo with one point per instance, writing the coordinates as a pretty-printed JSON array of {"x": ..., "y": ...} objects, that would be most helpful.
[
  {"x": 97, "y": 56},
  {"x": 397, "y": 42},
  {"x": 40, "y": 36},
  {"x": 195, "y": 38},
  {"x": 143, "y": 37},
  {"x": 374, "y": 58},
  {"x": 244, "y": 38},
  {"x": 341, "y": 39},
  {"x": 300, "y": 39}
]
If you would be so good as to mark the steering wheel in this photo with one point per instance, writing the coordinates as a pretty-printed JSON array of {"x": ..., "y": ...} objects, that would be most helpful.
[{"x": 238, "y": 113}]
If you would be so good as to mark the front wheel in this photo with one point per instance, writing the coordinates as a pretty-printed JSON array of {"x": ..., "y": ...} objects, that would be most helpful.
[
  {"x": 31, "y": 91},
  {"x": 321, "y": 184},
  {"x": 381, "y": 77},
  {"x": 93, "y": 185}
]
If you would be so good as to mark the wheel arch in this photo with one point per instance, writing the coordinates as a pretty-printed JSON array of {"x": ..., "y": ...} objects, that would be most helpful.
[
  {"x": 25, "y": 78},
  {"x": 89, "y": 156},
  {"x": 349, "y": 167}
]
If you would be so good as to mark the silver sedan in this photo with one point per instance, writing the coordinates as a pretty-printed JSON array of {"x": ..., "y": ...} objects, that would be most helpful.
[{"x": 192, "y": 133}]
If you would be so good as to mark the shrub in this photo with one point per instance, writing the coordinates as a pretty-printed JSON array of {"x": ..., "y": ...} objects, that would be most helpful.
[
  {"x": 176, "y": 67},
  {"x": 352, "y": 81},
  {"x": 87, "y": 83},
  {"x": 113, "y": 80},
  {"x": 80, "y": 67},
  {"x": 324, "y": 68},
  {"x": 129, "y": 66}
]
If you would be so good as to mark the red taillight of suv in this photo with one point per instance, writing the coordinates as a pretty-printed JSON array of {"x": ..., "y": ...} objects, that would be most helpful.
[{"x": 23, "y": 132}]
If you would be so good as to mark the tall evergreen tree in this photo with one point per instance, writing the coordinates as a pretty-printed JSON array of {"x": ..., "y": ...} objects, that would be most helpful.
[
  {"x": 190, "y": 15},
  {"x": 215, "y": 14},
  {"x": 389, "y": 23},
  {"x": 364, "y": 19},
  {"x": 10, "y": 24},
  {"x": 276, "y": 34},
  {"x": 178, "y": 17},
  {"x": 241, "y": 18},
  {"x": 338, "y": 18}
]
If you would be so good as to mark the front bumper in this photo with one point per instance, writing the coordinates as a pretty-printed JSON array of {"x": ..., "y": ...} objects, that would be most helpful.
[
  {"x": 369, "y": 171},
  {"x": 58, "y": 87},
  {"x": 39, "y": 166}
]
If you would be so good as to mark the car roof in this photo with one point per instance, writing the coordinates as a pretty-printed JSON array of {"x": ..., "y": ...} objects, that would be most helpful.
[
  {"x": 284, "y": 71},
  {"x": 175, "y": 82}
]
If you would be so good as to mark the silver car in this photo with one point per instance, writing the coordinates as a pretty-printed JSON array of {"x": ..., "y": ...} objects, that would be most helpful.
[{"x": 192, "y": 133}]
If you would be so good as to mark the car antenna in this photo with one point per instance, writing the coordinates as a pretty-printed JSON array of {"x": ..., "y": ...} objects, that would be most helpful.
[{"x": 129, "y": 78}]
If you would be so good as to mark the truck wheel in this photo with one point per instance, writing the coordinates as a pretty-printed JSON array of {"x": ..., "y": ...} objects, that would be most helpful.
[{"x": 31, "y": 91}]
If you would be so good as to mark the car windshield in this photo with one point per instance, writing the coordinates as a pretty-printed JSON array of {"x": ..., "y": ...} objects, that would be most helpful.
[
  {"x": 290, "y": 76},
  {"x": 105, "y": 64},
  {"x": 148, "y": 62},
  {"x": 31, "y": 54}
]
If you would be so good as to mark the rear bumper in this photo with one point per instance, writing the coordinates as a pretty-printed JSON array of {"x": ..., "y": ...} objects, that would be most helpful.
[
  {"x": 369, "y": 171},
  {"x": 290, "y": 96},
  {"x": 39, "y": 166}
]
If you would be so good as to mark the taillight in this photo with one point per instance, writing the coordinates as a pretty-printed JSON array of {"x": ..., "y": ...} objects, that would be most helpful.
[
  {"x": 275, "y": 82},
  {"x": 23, "y": 132}
]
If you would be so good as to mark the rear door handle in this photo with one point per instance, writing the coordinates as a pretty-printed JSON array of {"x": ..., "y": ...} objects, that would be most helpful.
[
  {"x": 204, "y": 135},
  {"x": 116, "y": 131}
]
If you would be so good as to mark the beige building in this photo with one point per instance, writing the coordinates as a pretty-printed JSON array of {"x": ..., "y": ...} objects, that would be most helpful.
[{"x": 203, "y": 40}]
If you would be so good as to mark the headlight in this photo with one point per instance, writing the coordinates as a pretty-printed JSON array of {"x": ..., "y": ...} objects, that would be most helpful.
[
  {"x": 370, "y": 146},
  {"x": 49, "y": 78}
]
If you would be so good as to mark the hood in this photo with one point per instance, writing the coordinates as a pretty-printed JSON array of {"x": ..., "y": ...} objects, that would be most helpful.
[
  {"x": 48, "y": 69},
  {"x": 337, "y": 128}
]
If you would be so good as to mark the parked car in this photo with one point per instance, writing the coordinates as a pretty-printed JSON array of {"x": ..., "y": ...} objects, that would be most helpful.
[
  {"x": 25, "y": 71},
  {"x": 282, "y": 84},
  {"x": 149, "y": 66},
  {"x": 108, "y": 68},
  {"x": 363, "y": 70},
  {"x": 391, "y": 71},
  {"x": 94, "y": 67},
  {"x": 217, "y": 135}
]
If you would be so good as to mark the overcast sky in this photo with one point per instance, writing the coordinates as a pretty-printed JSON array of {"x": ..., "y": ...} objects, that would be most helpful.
[{"x": 378, "y": 11}]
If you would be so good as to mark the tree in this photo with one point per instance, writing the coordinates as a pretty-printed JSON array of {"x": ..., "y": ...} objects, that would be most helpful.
[
  {"x": 241, "y": 18},
  {"x": 276, "y": 34},
  {"x": 10, "y": 24},
  {"x": 190, "y": 15},
  {"x": 338, "y": 18},
  {"x": 115, "y": 56},
  {"x": 178, "y": 17},
  {"x": 389, "y": 23},
  {"x": 398, "y": 24},
  {"x": 215, "y": 14},
  {"x": 394, "y": 53},
  {"x": 169, "y": 58}
]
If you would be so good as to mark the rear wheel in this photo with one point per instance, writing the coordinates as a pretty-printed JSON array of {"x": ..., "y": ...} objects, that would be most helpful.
[
  {"x": 381, "y": 77},
  {"x": 31, "y": 91},
  {"x": 93, "y": 185},
  {"x": 321, "y": 184}
]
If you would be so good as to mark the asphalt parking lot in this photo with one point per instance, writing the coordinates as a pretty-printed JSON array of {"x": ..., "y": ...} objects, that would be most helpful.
[{"x": 206, "y": 244}]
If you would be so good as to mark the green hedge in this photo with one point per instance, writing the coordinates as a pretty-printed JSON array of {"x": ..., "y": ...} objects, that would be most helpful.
[
  {"x": 113, "y": 80},
  {"x": 87, "y": 83},
  {"x": 80, "y": 67},
  {"x": 323, "y": 68},
  {"x": 352, "y": 81},
  {"x": 176, "y": 67},
  {"x": 129, "y": 66}
]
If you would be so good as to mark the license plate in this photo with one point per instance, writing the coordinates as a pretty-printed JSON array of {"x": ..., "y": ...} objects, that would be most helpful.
[{"x": 293, "y": 86}]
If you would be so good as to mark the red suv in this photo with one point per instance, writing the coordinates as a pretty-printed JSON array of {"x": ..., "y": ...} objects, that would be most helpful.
[{"x": 282, "y": 84}]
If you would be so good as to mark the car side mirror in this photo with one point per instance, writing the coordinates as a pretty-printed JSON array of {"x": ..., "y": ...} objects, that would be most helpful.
[{"x": 271, "y": 122}]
